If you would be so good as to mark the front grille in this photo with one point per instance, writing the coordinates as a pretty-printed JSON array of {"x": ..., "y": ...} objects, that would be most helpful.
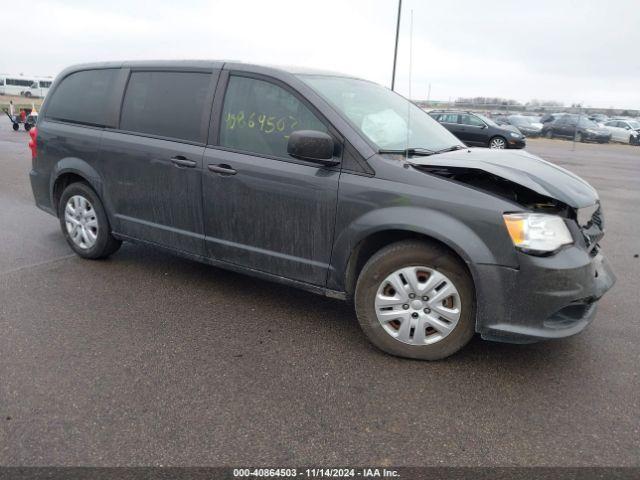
[{"x": 593, "y": 230}]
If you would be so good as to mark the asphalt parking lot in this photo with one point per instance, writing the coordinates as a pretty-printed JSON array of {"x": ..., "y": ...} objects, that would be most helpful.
[{"x": 149, "y": 359}]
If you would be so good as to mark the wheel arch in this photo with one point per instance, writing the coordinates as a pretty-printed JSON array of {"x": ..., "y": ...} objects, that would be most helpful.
[
  {"x": 71, "y": 170},
  {"x": 373, "y": 243},
  {"x": 356, "y": 245}
]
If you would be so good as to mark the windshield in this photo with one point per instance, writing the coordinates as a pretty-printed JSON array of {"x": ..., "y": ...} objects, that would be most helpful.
[
  {"x": 387, "y": 119},
  {"x": 520, "y": 121},
  {"x": 487, "y": 120},
  {"x": 585, "y": 122},
  {"x": 634, "y": 124}
]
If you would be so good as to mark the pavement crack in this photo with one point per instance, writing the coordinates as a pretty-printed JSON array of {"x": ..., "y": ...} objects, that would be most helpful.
[{"x": 36, "y": 265}]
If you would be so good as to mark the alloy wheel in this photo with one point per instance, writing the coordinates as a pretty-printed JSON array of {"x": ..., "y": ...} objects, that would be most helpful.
[
  {"x": 81, "y": 222},
  {"x": 418, "y": 305},
  {"x": 498, "y": 143}
]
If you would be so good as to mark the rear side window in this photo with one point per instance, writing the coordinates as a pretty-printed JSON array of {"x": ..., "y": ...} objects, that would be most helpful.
[
  {"x": 167, "y": 104},
  {"x": 84, "y": 97},
  {"x": 449, "y": 118},
  {"x": 259, "y": 116}
]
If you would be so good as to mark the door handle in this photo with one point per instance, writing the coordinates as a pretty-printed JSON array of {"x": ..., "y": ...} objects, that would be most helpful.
[
  {"x": 222, "y": 169},
  {"x": 180, "y": 161}
]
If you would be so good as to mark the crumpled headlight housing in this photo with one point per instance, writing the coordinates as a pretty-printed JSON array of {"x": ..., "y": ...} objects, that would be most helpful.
[
  {"x": 537, "y": 233},
  {"x": 514, "y": 134}
]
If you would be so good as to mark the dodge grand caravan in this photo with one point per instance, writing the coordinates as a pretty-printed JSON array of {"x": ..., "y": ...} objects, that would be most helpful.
[{"x": 328, "y": 183}]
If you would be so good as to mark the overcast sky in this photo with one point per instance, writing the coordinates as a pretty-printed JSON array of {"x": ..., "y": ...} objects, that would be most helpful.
[{"x": 573, "y": 51}]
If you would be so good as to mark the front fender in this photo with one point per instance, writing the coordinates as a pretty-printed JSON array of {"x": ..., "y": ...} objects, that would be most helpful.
[{"x": 432, "y": 223}]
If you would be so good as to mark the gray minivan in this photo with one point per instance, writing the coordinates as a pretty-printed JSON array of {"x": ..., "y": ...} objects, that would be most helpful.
[{"x": 328, "y": 183}]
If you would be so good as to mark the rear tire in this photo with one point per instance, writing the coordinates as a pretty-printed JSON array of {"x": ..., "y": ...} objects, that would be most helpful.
[
  {"x": 549, "y": 134},
  {"x": 84, "y": 222},
  {"x": 579, "y": 137},
  {"x": 27, "y": 126},
  {"x": 415, "y": 255}
]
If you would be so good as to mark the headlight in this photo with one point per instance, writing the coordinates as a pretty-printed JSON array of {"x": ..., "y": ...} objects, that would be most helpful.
[
  {"x": 537, "y": 232},
  {"x": 514, "y": 134}
]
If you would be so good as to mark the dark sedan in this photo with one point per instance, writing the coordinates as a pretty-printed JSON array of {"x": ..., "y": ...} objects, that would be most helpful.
[
  {"x": 527, "y": 126},
  {"x": 580, "y": 127},
  {"x": 476, "y": 130}
]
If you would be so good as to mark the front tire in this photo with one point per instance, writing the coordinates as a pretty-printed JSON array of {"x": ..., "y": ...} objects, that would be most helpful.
[
  {"x": 415, "y": 299},
  {"x": 84, "y": 222},
  {"x": 579, "y": 137}
]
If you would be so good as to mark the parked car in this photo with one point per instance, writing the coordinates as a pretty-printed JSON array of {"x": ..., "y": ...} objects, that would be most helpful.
[
  {"x": 599, "y": 118},
  {"x": 525, "y": 125},
  {"x": 580, "y": 127},
  {"x": 625, "y": 131},
  {"x": 551, "y": 117},
  {"x": 477, "y": 130},
  {"x": 321, "y": 182}
]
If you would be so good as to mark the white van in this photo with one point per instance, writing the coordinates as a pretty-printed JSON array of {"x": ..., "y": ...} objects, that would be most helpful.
[
  {"x": 15, "y": 84},
  {"x": 39, "y": 88}
]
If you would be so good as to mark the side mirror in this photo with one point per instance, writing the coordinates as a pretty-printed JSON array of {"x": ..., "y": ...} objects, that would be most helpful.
[
  {"x": 627, "y": 127},
  {"x": 311, "y": 145},
  {"x": 484, "y": 125}
]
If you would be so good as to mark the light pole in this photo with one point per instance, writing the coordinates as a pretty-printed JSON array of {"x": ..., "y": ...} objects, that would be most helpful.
[{"x": 395, "y": 51}]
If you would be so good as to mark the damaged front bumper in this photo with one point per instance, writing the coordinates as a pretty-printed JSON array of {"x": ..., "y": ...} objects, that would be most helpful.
[{"x": 547, "y": 297}]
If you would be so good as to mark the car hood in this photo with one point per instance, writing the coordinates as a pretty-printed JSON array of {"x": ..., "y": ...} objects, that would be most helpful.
[
  {"x": 531, "y": 128},
  {"x": 522, "y": 168},
  {"x": 601, "y": 130},
  {"x": 510, "y": 128}
]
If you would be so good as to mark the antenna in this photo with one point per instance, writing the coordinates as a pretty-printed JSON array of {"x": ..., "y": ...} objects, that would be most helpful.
[
  {"x": 410, "y": 71},
  {"x": 395, "y": 51}
]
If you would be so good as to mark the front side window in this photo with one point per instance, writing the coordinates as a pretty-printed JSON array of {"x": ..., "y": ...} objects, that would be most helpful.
[
  {"x": 167, "y": 104},
  {"x": 83, "y": 97},
  {"x": 259, "y": 116},
  {"x": 387, "y": 119},
  {"x": 471, "y": 120}
]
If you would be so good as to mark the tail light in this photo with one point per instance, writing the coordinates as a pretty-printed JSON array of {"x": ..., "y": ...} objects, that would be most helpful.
[{"x": 33, "y": 143}]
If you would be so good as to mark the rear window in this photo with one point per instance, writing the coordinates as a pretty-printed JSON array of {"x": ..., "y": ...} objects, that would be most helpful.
[
  {"x": 84, "y": 97},
  {"x": 167, "y": 104}
]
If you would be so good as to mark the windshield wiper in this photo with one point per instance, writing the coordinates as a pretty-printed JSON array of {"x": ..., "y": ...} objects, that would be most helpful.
[
  {"x": 409, "y": 152},
  {"x": 452, "y": 148},
  {"x": 421, "y": 152}
]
